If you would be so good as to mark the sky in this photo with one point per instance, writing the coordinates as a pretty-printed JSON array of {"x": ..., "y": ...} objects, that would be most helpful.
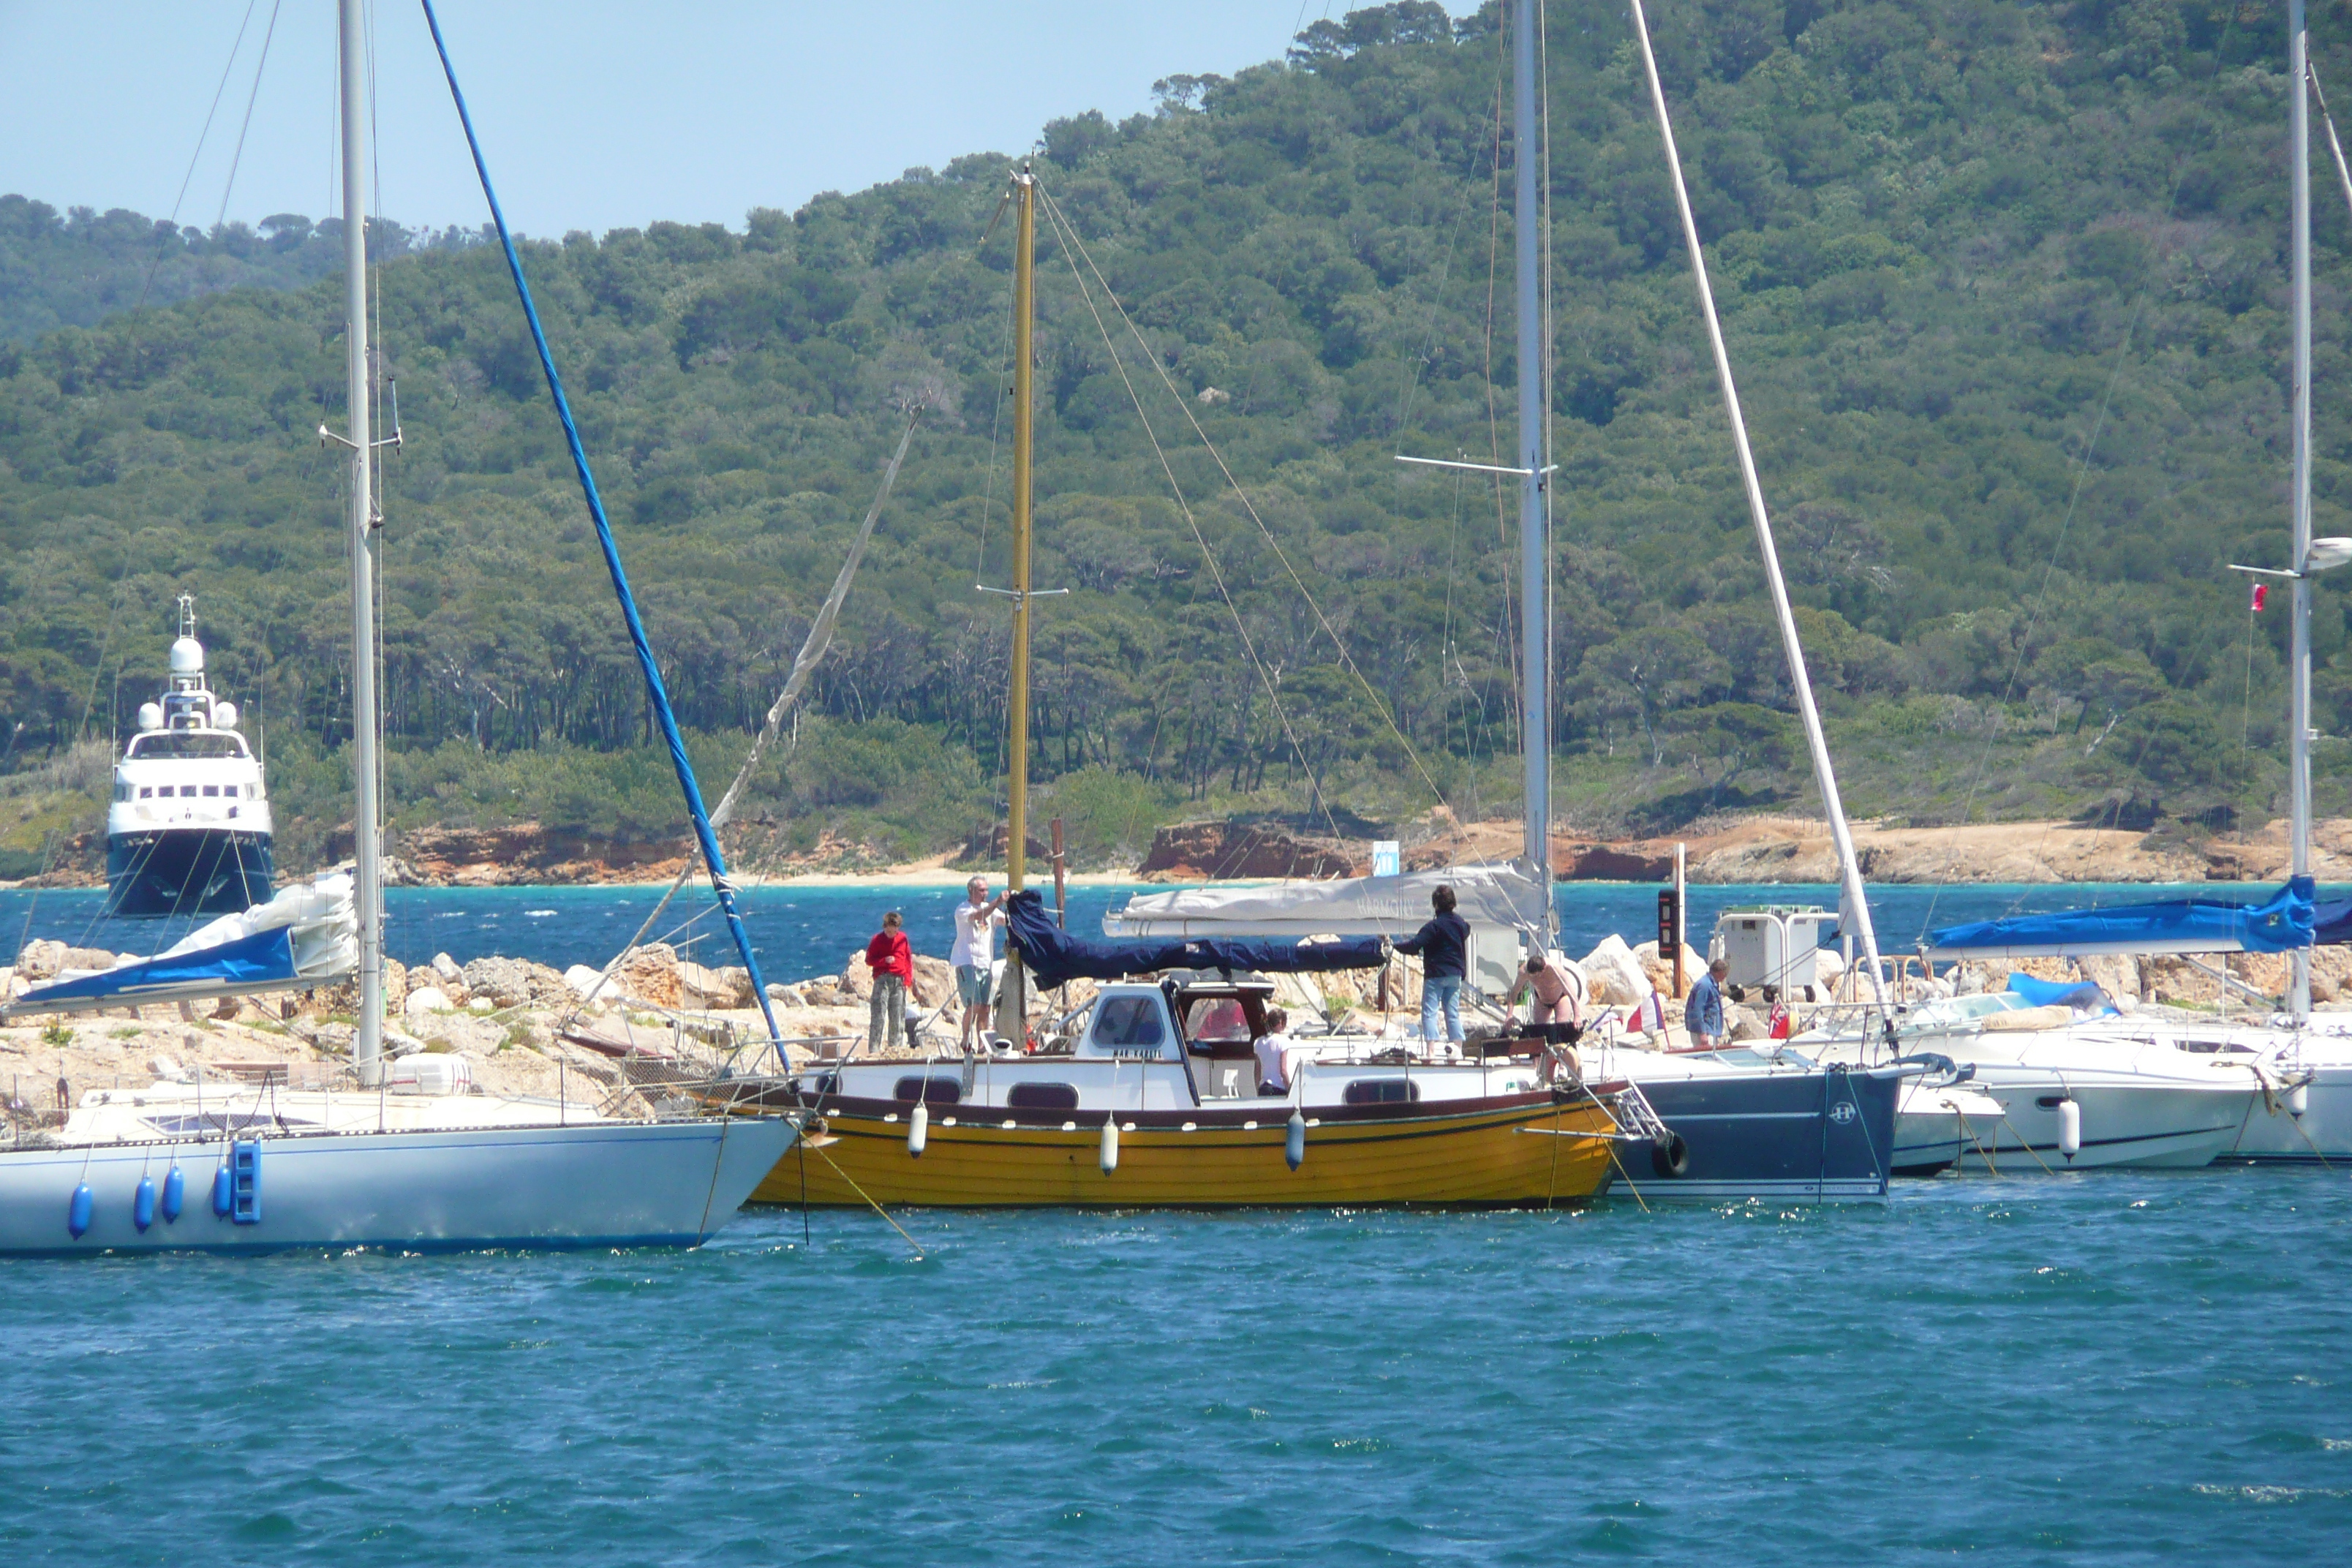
[{"x": 595, "y": 114}]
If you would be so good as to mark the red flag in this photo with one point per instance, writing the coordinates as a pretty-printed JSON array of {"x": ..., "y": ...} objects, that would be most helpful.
[{"x": 2262, "y": 596}]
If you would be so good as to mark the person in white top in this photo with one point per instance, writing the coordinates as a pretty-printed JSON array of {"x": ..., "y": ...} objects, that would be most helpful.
[
  {"x": 1274, "y": 1054},
  {"x": 975, "y": 954}
]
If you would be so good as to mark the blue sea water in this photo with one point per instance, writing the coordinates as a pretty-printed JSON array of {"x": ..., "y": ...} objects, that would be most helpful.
[
  {"x": 801, "y": 932},
  {"x": 2112, "y": 1368}
]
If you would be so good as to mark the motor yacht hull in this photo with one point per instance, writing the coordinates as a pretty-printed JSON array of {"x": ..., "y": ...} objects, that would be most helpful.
[
  {"x": 2272, "y": 1135},
  {"x": 1937, "y": 1124},
  {"x": 186, "y": 871},
  {"x": 1530, "y": 1152},
  {"x": 1770, "y": 1133},
  {"x": 607, "y": 1183},
  {"x": 2124, "y": 1121}
]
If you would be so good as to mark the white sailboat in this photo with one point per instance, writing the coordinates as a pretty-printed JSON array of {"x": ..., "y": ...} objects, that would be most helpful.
[{"x": 403, "y": 1156}]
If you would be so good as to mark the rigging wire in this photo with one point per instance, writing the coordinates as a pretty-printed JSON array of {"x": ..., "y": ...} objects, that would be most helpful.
[
  {"x": 251, "y": 98},
  {"x": 1070, "y": 239},
  {"x": 1241, "y": 628},
  {"x": 228, "y": 65}
]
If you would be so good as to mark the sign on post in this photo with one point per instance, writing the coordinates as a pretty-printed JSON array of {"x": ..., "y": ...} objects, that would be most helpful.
[
  {"x": 1386, "y": 860},
  {"x": 1670, "y": 929}
]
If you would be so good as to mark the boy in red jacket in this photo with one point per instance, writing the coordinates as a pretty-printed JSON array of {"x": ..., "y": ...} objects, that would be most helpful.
[{"x": 892, "y": 960}]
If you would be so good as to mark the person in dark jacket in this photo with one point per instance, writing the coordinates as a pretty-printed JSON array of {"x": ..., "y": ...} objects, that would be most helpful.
[{"x": 1444, "y": 945}]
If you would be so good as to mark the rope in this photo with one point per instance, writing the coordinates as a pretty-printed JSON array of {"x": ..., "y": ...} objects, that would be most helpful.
[
  {"x": 1070, "y": 239},
  {"x": 654, "y": 689},
  {"x": 827, "y": 1155}
]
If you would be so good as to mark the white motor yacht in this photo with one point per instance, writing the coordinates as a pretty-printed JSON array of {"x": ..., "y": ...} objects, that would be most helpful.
[{"x": 188, "y": 832}]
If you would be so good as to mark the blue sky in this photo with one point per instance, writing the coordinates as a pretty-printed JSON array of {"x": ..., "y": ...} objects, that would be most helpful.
[{"x": 595, "y": 113}]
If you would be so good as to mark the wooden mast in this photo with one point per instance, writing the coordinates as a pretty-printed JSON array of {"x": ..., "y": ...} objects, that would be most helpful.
[{"x": 1012, "y": 1001}]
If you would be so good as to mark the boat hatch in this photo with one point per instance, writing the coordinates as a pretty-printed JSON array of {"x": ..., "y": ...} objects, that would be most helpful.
[{"x": 932, "y": 1090}]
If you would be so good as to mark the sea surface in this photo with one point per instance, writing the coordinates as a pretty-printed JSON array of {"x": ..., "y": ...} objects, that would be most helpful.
[
  {"x": 2113, "y": 1368},
  {"x": 802, "y": 932}
]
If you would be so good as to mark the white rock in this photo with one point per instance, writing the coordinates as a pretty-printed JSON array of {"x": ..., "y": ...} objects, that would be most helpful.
[
  {"x": 481, "y": 1005},
  {"x": 167, "y": 1070},
  {"x": 446, "y": 966},
  {"x": 581, "y": 979},
  {"x": 426, "y": 999},
  {"x": 1614, "y": 973}
]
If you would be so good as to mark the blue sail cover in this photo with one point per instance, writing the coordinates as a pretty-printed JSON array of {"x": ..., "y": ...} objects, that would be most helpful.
[
  {"x": 262, "y": 962},
  {"x": 2331, "y": 924},
  {"x": 1056, "y": 957},
  {"x": 2173, "y": 925}
]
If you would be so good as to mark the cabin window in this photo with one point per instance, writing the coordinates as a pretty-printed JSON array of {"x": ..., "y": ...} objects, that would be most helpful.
[
  {"x": 1382, "y": 1091},
  {"x": 212, "y": 789},
  {"x": 1215, "y": 1019},
  {"x": 930, "y": 1090},
  {"x": 1127, "y": 1021},
  {"x": 146, "y": 791},
  {"x": 824, "y": 1083},
  {"x": 1042, "y": 1097},
  {"x": 188, "y": 792}
]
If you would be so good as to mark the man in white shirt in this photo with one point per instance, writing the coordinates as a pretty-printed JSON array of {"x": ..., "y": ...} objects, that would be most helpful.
[{"x": 975, "y": 954}]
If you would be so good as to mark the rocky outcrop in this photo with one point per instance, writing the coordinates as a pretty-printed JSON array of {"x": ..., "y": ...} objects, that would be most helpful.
[{"x": 1214, "y": 851}]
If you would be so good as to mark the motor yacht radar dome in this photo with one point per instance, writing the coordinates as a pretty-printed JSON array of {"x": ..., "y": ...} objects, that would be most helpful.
[{"x": 189, "y": 829}]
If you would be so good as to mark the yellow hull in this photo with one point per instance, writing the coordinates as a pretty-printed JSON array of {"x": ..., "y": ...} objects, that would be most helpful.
[{"x": 1515, "y": 1155}]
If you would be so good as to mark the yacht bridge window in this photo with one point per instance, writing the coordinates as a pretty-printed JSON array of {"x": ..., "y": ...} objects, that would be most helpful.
[{"x": 166, "y": 744}]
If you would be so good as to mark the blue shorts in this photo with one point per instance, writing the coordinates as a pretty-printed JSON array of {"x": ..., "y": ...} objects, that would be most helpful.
[{"x": 971, "y": 983}]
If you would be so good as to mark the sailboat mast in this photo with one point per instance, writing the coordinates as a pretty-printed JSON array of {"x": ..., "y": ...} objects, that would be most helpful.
[
  {"x": 1016, "y": 788},
  {"x": 2299, "y": 659},
  {"x": 1854, "y": 910},
  {"x": 1013, "y": 997},
  {"x": 366, "y": 851},
  {"x": 1535, "y": 580}
]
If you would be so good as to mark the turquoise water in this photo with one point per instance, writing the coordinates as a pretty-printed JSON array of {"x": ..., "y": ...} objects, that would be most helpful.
[
  {"x": 2127, "y": 1368},
  {"x": 801, "y": 932}
]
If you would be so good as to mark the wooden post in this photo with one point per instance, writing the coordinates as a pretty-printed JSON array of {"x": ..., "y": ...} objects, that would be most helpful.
[{"x": 1682, "y": 918}]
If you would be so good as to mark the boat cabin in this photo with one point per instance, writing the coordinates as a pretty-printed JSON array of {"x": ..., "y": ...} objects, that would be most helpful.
[{"x": 1187, "y": 1042}]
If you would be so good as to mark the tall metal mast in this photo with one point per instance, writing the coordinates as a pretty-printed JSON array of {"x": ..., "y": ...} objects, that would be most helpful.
[
  {"x": 2299, "y": 660},
  {"x": 1535, "y": 579},
  {"x": 1854, "y": 910},
  {"x": 366, "y": 849},
  {"x": 1012, "y": 1003}
]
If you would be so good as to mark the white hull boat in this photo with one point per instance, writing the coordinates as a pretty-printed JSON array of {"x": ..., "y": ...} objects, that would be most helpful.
[
  {"x": 2076, "y": 1095},
  {"x": 542, "y": 1186}
]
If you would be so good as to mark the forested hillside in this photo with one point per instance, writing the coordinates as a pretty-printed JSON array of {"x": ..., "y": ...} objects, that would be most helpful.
[{"x": 1959, "y": 244}]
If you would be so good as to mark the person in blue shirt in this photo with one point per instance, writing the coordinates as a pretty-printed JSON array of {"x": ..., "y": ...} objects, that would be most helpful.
[
  {"x": 1703, "y": 1010},
  {"x": 1443, "y": 944}
]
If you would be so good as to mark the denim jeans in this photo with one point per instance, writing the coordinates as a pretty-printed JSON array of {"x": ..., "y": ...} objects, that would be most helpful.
[{"x": 1445, "y": 994}]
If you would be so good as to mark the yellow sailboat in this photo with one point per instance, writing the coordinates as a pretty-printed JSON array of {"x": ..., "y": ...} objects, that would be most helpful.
[{"x": 1165, "y": 1093}]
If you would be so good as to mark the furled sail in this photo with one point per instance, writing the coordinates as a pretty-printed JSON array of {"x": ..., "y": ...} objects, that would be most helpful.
[
  {"x": 2281, "y": 924},
  {"x": 1055, "y": 957},
  {"x": 308, "y": 935}
]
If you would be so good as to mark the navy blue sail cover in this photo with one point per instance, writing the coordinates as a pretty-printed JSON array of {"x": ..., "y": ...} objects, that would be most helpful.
[
  {"x": 1056, "y": 957},
  {"x": 2173, "y": 925},
  {"x": 262, "y": 961}
]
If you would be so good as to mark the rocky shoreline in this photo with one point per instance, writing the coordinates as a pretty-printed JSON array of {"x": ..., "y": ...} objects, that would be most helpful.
[{"x": 1744, "y": 849}]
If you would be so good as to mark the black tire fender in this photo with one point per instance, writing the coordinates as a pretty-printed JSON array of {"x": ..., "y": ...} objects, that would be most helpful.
[{"x": 1671, "y": 1158}]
